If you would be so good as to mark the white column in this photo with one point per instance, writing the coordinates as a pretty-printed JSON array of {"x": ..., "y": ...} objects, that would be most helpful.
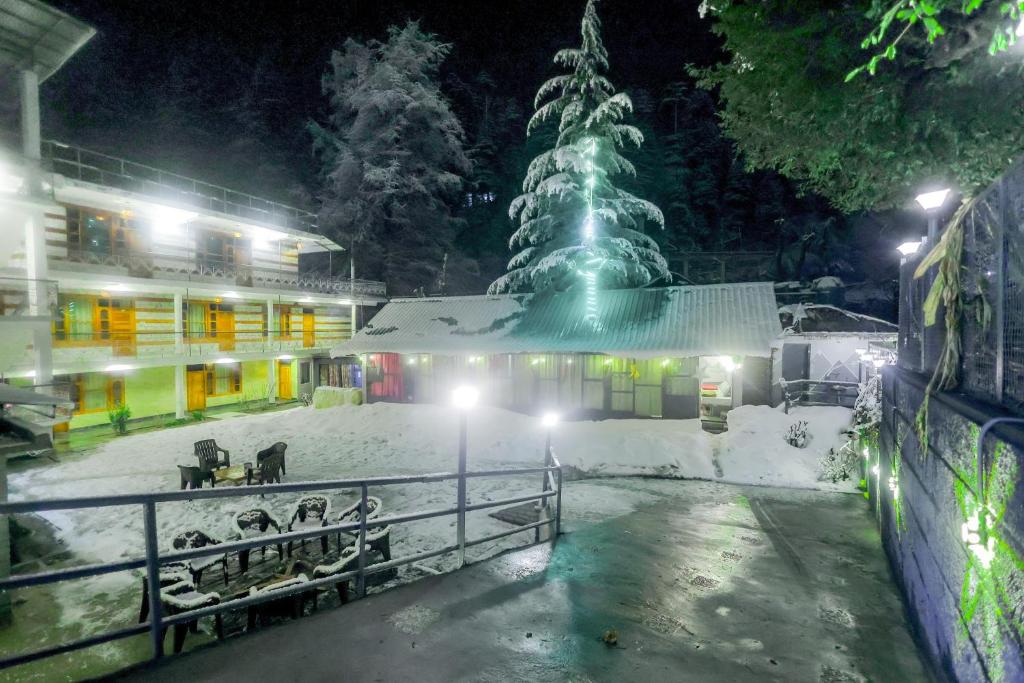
[
  {"x": 39, "y": 303},
  {"x": 179, "y": 325},
  {"x": 272, "y": 380},
  {"x": 30, "y": 137},
  {"x": 352, "y": 321},
  {"x": 180, "y": 405}
]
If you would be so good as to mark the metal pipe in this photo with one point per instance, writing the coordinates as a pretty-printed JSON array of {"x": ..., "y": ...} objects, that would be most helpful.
[
  {"x": 461, "y": 519},
  {"x": 364, "y": 510},
  {"x": 153, "y": 579},
  {"x": 982, "y": 490}
]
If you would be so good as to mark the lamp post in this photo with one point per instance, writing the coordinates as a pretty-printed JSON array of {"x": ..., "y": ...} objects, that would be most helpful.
[
  {"x": 463, "y": 398},
  {"x": 931, "y": 202}
]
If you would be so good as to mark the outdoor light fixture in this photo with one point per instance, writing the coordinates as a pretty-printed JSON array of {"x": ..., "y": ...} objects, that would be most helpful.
[
  {"x": 728, "y": 363},
  {"x": 305, "y": 300},
  {"x": 930, "y": 201},
  {"x": 909, "y": 248},
  {"x": 118, "y": 287},
  {"x": 344, "y": 302},
  {"x": 893, "y": 485},
  {"x": 549, "y": 420},
  {"x": 167, "y": 218},
  {"x": 285, "y": 356},
  {"x": 978, "y": 539},
  {"x": 117, "y": 367},
  {"x": 225, "y": 361},
  {"x": 875, "y": 470},
  {"x": 231, "y": 295},
  {"x": 878, "y": 362},
  {"x": 411, "y": 361},
  {"x": 465, "y": 397}
]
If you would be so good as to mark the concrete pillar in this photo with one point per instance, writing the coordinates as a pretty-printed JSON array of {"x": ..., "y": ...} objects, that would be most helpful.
[
  {"x": 272, "y": 380},
  {"x": 353, "y": 323},
  {"x": 39, "y": 299},
  {"x": 179, "y": 325},
  {"x": 180, "y": 404},
  {"x": 31, "y": 140}
]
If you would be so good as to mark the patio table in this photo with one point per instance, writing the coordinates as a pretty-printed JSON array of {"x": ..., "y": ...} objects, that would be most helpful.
[{"x": 234, "y": 475}]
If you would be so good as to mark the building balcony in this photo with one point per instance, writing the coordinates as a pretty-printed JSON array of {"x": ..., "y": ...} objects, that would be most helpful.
[
  {"x": 101, "y": 169},
  {"x": 122, "y": 351},
  {"x": 151, "y": 265}
]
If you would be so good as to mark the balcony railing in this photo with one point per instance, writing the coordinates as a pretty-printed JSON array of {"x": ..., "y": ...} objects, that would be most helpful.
[
  {"x": 147, "y": 264},
  {"x": 70, "y": 347},
  {"x": 102, "y": 169}
]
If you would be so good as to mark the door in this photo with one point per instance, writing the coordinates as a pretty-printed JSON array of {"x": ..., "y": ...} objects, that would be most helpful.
[
  {"x": 284, "y": 380},
  {"x": 195, "y": 387},
  {"x": 681, "y": 390},
  {"x": 308, "y": 328},
  {"x": 222, "y": 325},
  {"x": 757, "y": 381},
  {"x": 796, "y": 361}
]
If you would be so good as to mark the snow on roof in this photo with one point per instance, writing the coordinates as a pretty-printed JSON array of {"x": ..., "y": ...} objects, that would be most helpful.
[
  {"x": 735, "y": 319},
  {"x": 805, "y": 318}
]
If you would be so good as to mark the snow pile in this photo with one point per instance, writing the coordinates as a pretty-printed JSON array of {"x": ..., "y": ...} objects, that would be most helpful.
[{"x": 754, "y": 450}]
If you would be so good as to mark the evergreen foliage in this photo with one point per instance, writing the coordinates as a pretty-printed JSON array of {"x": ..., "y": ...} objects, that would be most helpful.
[
  {"x": 869, "y": 143},
  {"x": 393, "y": 158},
  {"x": 573, "y": 179}
]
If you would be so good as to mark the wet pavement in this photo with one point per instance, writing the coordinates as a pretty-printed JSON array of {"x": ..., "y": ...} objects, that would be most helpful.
[{"x": 715, "y": 582}]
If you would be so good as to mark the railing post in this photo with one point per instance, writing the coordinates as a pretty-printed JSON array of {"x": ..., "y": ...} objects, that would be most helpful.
[
  {"x": 461, "y": 515},
  {"x": 363, "y": 511},
  {"x": 545, "y": 483},
  {"x": 153, "y": 579},
  {"x": 558, "y": 502}
]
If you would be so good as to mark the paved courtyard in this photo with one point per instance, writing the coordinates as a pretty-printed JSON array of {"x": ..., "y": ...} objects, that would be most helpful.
[{"x": 716, "y": 582}]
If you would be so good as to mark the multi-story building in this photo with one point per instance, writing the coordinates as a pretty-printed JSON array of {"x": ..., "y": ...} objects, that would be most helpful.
[{"x": 142, "y": 288}]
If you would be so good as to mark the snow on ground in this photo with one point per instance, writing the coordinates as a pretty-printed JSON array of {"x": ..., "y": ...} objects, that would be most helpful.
[{"x": 349, "y": 442}]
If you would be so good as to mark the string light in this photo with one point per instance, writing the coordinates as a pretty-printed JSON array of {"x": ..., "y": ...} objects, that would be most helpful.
[
  {"x": 589, "y": 276},
  {"x": 976, "y": 536}
]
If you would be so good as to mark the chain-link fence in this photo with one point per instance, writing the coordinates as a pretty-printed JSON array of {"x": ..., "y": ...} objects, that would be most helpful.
[{"x": 992, "y": 329}]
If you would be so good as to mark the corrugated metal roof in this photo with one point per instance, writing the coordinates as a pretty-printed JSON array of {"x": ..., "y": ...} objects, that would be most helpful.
[
  {"x": 735, "y": 319},
  {"x": 35, "y": 35}
]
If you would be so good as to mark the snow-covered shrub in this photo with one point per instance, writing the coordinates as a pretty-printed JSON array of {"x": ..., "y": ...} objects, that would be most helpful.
[
  {"x": 867, "y": 411},
  {"x": 797, "y": 434},
  {"x": 839, "y": 465}
]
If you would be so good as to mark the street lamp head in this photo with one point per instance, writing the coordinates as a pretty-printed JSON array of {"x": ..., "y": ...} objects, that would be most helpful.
[
  {"x": 909, "y": 248},
  {"x": 549, "y": 420},
  {"x": 930, "y": 201},
  {"x": 465, "y": 397}
]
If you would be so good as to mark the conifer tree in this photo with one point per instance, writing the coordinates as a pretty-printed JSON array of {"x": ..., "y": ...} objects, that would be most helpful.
[{"x": 576, "y": 228}]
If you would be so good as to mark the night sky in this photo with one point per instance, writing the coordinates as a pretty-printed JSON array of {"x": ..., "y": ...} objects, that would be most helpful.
[{"x": 123, "y": 73}]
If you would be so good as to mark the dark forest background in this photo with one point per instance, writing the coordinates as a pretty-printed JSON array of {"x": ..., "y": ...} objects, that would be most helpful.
[{"x": 225, "y": 91}]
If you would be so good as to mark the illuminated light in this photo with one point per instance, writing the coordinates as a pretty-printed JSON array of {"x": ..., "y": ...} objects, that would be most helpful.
[
  {"x": 119, "y": 287},
  {"x": 1019, "y": 31},
  {"x": 878, "y": 362},
  {"x": 860, "y": 352},
  {"x": 875, "y": 470},
  {"x": 549, "y": 420},
  {"x": 465, "y": 397},
  {"x": 665, "y": 363},
  {"x": 569, "y": 361},
  {"x": 609, "y": 361},
  {"x": 411, "y": 361},
  {"x": 932, "y": 200},
  {"x": 167, "y": 219},
  {"x": 344, "y": 302},
  {"x": 591, "y": 181},
  {"x": 535, "y": 361},
  {"x": 10, "y": 182},
  {"x": 978, "y": 540},
  {"x": 285, "y": 356},
  {"x": 126, "y": 213},
  {"x": 727, "y": 363},
  {"x": 118, "y": 367},
  {"x": 909, "y": 248},
  {"x": 867, "y": 454},
  {"x": 232, "y": 295},
  {"x": 305, "y": 300},
  {"x": 237, "y": 235},
  {"x": 893, "y": 485},
  {"x": 225, "y": 361}
]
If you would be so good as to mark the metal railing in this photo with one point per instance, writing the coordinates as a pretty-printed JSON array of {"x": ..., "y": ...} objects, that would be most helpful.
[
  {"x": 157, "y": 623},
  {"x": 102, "y": 169},
  {"x": 149, "y": 264},
  {"x": 814, "y": 392}
]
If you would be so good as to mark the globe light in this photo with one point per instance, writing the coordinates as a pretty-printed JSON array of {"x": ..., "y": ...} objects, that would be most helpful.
[
  {"x": 465, "y": 397},
  {"x": 930, "y": 201},
  {"x": 909, "y": 248},
  {"x": 549, "y": 420}
]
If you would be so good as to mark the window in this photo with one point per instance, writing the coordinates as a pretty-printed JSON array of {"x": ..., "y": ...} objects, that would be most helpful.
[
  {"x": 99, "y": 233},
  {"x": 283, "y": 321},
  {"x": 304, "y": 372},
  {"x": 223, "y": 379},
  {"x": 74, "y": 321},
  {"x": 96, "y": 392},
  {"x": 195, "y": 319}
]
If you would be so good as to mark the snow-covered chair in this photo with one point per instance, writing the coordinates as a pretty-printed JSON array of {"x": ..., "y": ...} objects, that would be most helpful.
[
  {"x": 374, "y": 507},
  {"x": 311, "y": 512},
  {"x": 178, "y": 599},
  {"x": 194, "y": 538},
  {"x": 174, "y": 575},
  {"x": 277, "y": 449},
  {"x": 295, "y": 603},
  {"x": 349, "y": 558},
  {"x": 253, "y": 523}
]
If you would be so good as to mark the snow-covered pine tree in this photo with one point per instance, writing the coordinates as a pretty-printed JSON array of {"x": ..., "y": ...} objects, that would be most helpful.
[
  {"x": 576, "y": 228},
  {"x": 393, "y": 158}
]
